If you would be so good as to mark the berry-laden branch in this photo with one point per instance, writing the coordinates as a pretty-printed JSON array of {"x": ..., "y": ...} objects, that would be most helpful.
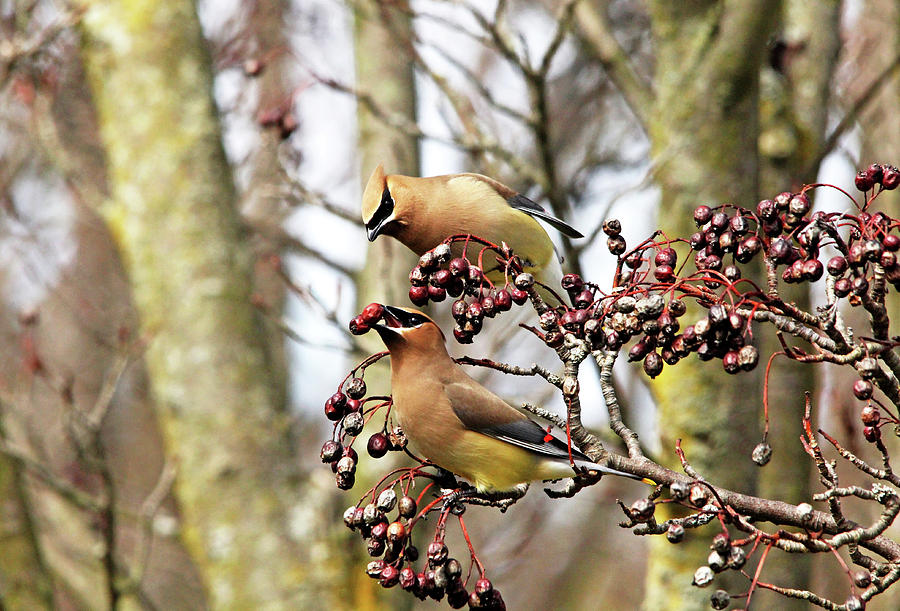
[{"x": 850, "y": 256}]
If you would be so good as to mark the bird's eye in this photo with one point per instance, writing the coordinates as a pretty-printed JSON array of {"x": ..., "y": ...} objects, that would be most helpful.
[{"x": 415, "y": 320}]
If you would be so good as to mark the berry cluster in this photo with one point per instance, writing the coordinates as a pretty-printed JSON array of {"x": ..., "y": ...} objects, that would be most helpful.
[
  {"x": 883, "y": 175},
  {"x": 390, "y": 543},
  {"x": 350, "y": 410},
  {"x": 438, "y": 276}
]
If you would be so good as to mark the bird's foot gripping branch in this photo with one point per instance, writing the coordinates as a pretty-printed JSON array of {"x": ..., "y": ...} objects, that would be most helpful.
[{"x": 848, "y": 258}]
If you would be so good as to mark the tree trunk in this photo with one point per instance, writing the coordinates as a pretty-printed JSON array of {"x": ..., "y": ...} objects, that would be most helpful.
[
  {"x": 703, "y": 131},
  {"x": 173, "y": 211}
]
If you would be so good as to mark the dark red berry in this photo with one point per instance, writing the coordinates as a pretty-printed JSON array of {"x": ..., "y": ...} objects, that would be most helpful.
[
  {"x": 459, "y": 267},
  {"x": 372, "y": 313},
  {"x": 358, "y": 326},
  {"x": 837, "y": 265},
  {"x": 875, "y": 172},
  {"x": 783, "y": 199},
  {"x": 483, "y": 588},
  {"x": 842, "y": 287},
  {"x": 441, "y": 278},
  {"x": 891, "y": 179},
  {"x": 334, "y": 406},
  {"x": 458, "y": 309},
  {"x": 799, "y": 204},
  {"x": 702, "y": 214},
  {"x": 697, "y": 242},
  {"x": 377, "y": 445},
  {"x": 812, "y": 269},
  {"x": 719, "y": 221},
  {"x": 872, "y": 433},
  {"x": 407, "y": 579},
  {"x": 503, "y": 300},
  {"x": 731, "y": 362},
  {"x": 666, "y": 256},
  {"x": 436, "y": 294},
  {"x": 780, "y": 250},
  {"x": 418, "y": 295},
  {"x": 862, "y": 389},
  {"x": 476, "y": 275},
  {"x": 519, "y": 297},
  {"x": 739, "y": 225},
  {"x": 664, "y": 273},
  {"x": 891, "y": 242},
  {"x": 653, "y": 364},
  {"x": 863, "y": 181}
]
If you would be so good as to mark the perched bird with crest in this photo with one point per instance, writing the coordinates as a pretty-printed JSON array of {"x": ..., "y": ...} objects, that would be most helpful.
[
  {"x": 458, "y": 424},
  {"x": 422, "y": 212}
]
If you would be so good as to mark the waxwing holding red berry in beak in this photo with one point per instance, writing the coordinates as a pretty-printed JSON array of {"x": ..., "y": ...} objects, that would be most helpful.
[{"x": 460, "y": 425}]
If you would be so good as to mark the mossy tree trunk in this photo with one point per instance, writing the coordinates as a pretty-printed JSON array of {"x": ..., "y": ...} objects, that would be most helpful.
[
  {"x": 703, "y": 130},
  {"x": 173, "y": 211}
]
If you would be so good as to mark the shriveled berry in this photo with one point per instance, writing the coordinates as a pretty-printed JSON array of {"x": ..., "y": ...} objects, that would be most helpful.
[
  {"x": 345, "y": 480},
  {"x": 437, "y": 553},
  {"x": 417, "y": 277},
  {"x": 331, "y": 451},
  {"x": 732, "y": 272},
  {"x": 390, "y": 576},
  {"x": 524, "y": 281},
  {"x": 703, "y": 577},
  {"x": 863, "y": 181},
  {"x": 666, "y": 256},
  {"x": 872, "y": 250},
  {"x": 353, "y": 423},
  {"x": 572, "y": 282},
  {"x": 377, "y": 445},
  {"x": 862, "y": 578},
  {"x": 612, "y": 227},
  {"x": 379, "y": 530},
  {"x": 374, "y": 568},
  {"x": 616, "y": 245},
  {"x": 870, "y": 415},
  {"x": 488, "y": 306},
  {"x": 748, "y": 357},
  {"x": 407, "y": 579},
  {"x": 476, "y": 276},
  {"x": 675, "y": 533},
  {"x": 720, "y": 599},
  {"x": 766, "y": 209},
  {"x": 583, "y": 299},
  {"x": 872, "y": 433},
  {"x": 642, "y": 510}
]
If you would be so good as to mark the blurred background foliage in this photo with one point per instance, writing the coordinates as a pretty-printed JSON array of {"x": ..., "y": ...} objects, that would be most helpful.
[{"x": 180, "y": 249}]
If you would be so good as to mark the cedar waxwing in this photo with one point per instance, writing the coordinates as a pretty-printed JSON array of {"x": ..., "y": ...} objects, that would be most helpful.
[
  {"x": 460, "y": 425},
  {"x": 422, "y": 212}
]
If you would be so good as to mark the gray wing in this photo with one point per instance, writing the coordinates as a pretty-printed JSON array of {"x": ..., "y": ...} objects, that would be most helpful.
[
  {"x": 482, "y": 411},
  {"x": 522, "y": 203}
]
